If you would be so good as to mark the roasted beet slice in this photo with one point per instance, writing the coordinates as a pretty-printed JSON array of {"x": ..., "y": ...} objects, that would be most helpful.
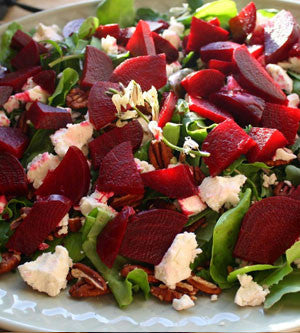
[
  {"x": 174, "y": 182},
  {"x": 97, "y": 67},
  {"x": 46, "y": 80},
  {"x": 149, "y": 234},
  {"x": 215, "y": 21},
  {"x": 42, "y": 219},
  {"x": 102, "y": 110},
  {"x": 280, "y": 34},
  {"x": 218, "y": 50},
  {"x": 283, "y": 118},
  {"x": 13, "y": 141},
  {"x": 245, "y": 108},
  {"x": 164, "y": 46},
  {"x": 244, "y": 23},
  {"x": 21, "y": 39},
  {"x": 167, "y": 109},
  {"x": 104, "y": 143},
  {"x": 225, "y": 143},
  {"x": 71, "y": 178},
  {"x": 72, "y": 27},
  {"x": 28, "y": 57},
  {"x": 110, "y": 239},
  {"x": 295, "y": 50},
  {"x": 295, "y": 194},
  {"x": 256, "y": 50},
  {"x": 109, "y": 29},
  {"x": 5, "y": 92},
  {"x": 232, "y": 85},
  {"x": 13, "y": 179},
  {"x": 203, "y": 33},
  {"x": 148, "y": 71},
  {"x": 203, "y": 83},
  {"x": 18, "y": 78},
  {"x": 118, "y": 172},
  {"x": 253, "y": 77},
  {"x": 268, "y": 141},
  {"x": 208, "y": 110},
  {"x": 224, "y": 67},
  {"x": 48, "y": 117},
  {"x": 159, "y": 25},
  {"x": 269, "y": 228}
]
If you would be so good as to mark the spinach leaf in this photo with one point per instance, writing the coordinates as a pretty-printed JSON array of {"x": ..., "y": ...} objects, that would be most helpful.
[
  {"x": 142, "y": 152},
  {"x": 296, "y": 146},
  {"x": 293, "y": 174},
  {"x": 88, "y": 27},
  {"x": 13, "y": 207},
  {"x": 247, "y": 269},
  {"x": 195, "y": 4},
  {"x": 139, "y": 278},
  {"x": 148, "y": 14},
  {"x": 231, "y": 169},
  {"x": 5, "y": 50},
  {"x": 204, "y": 235},
  {"x": 73, "y": 243},
  {"x": 197, "y": 217},
  {"x": 171, "y": 132},
  {"x": 269, "y": 12}
]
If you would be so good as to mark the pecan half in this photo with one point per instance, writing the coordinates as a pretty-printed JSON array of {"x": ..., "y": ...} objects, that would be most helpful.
[
  {"x": 129, "y": 268},
  {"x": 24, "y": 212},
  {"x": 165, "y": 294},
  {"x": 77, "y": 99},
  {"x": 277, "y": 163},
  {"x": 159, "y": 154},
  {"x": 204, "y": 286},
  {"x": 186, "y": 288},
  {"x": 132, "y": 200},
  {"x": 9, "y": 262},
  {"x": 75, "y": 224},
  {"x": 283, "y": 189}
]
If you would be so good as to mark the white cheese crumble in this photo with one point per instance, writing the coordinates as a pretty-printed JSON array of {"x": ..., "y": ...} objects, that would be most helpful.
[
  {"x": 109, "y": 45},
  {"x": 217, "y": 191},
  {"x": 281, "y": 77},
  {"x": 250, "y": 293},
  {"x": 293, "y": 100},
  {"x": 96, "y": 200},
  {"x": 44, "y": 32},
  {"x": 29, "y": 84},
  {"x": 172, "y": 68},
  {"x": 293, "y": 64},
  {"x": 284, "y": 154},
  {"x": 48, "y": 273},
  {"x": 155, "y": 130},
  {"x": 143, "y": 166},
  {"x": 3, "y": 203},
  {"x": 183, "y": 303},
  {"x": 4, "y": 121},
  {"x": 63, "y": 225},
  {"x": 172, "y": 37},
  {"x": 192, "y": 205},
  {"x": 175, "y": 265},
  {"x": 269, "y": 180}
]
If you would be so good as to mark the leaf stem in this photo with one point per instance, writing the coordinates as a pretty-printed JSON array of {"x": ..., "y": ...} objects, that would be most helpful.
[
  {"x": 181, "y": 150},
  {"x": 68, "y": 57}
]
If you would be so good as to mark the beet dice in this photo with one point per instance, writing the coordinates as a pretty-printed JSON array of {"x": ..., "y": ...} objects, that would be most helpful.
[
  {"x": 42, "y": 219},
  {"x": 253, "y": 77},
  {"x": 203, "y": 33},
  {"x": 5, "y": 92},
  {"x": 13, "y": 141},
  {"x": 109, "y": 29},
  {"x": 167, "y": 109},
  {"x": 13, "y": 179},
  {"x": 118, "y": 172},
  {"x": 218, "y": 50},
  {"x": 104, "y": 143},
  {"x": 269, "y": 228},
  {"x": 47, "y": 117},
  {"x": 174, "y": 182},
  {"x": 149, "y": 234},
  {"x": 20, "y": 39},
  {"x": 28, "y": 57},
  {"x": 110, "y": 239},
  {"x": 203, "y": 83},
  {"x": 97, "y": 67},
  {"x": 164, "y": 46},
  {"x": 46, "y": 80},
  {"x": 159, "y": 25},
  {"x": 224, "y": 67},
  {"x": 71, "y": 178},
  {"x": 148, "y": 71},
  {"x": 225, "y": 143}
]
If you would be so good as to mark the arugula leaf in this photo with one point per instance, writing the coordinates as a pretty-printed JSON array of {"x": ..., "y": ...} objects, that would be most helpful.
[
  {"x": 293, "y": 174},
  {"x": 231, "y": 169},
  {"x": 142, "y": 152},
  {"x": 171, "y": 132},
  {"x": 13, "y": 207},
  {"x": 5, "y": 232},
  {"x": 88, "y": 27},
  {"x": 296, "y": 146},
  {"x": 269, "y": 12},
  {"x": 148, "y": 14},
  {"x": 117, "y": 59},
  {"x": 138, "y": 277},
  {"x": 195, "y": 4},
  {"x": 73, "y": 243},
  {"x": 204, "y": 235},
  {"x": 248, "y": 269},
  {"x": 5, "y": 50},
  {"x": 96, "y": 42},
  {"x": 116, "y": 11},
  {"x": 56, "y": 46}
]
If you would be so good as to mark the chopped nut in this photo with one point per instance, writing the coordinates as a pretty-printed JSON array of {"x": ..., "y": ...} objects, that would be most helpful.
[
  {"x": 77, "y": 99},
  {"x": 165, "y": 294},
  {"x": 132, "y": 200},
  {"x": 283, "y": 189},
  {"x": 186, "y": 288},
  {"x": 9, "y": 262},
  {"x": 159, "y": 154},
  {"x": 204, "y": 286},
  {"x": 128, "y": 268},
  {"x": 277, "y": 163}
]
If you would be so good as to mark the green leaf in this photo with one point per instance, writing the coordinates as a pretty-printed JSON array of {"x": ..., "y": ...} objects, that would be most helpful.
[
  {"x": 269, "y": 12},
  {"x": 296, "y": 146},
  {"x": 88, "y": 27},
  {"x": 117, "y": 59},
  {"x": 142, "y": 153},
  {"x": 56, "y": 46},
  {"x": 5, "y": 50},
  {"x": 195, "y": 4},
  {"x": 73, "y": 243},
  {"x": 148, "y": 14},
  {"x": 5, "y": 232},
  {"x": 116, "y": 11},
  {"x": 205, "y": 234},
  {"x": 247, "y": 269},
  {"x": 293, "y": 174},
  {"x": 197, "y": 217},
  {"x": 294, "y": 75},
  {"x": 171, "y": 132},
  {"x": 67, "y": 81},
  {"x": 96, "y": 42},
  {"x": 224, "y": 239},
  {"x": 189, "y": 60},
  {"x": 231, "y": 169},
  {"x": 138, "y": 277}
]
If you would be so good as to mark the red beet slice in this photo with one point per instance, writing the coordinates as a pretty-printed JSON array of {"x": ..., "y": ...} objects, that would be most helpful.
[
  {"x": 208, "y": 110},
  {"x": 21, "y": 39},
  {"x": 218, "y": 50},
  {"x": 46, "y": 80},
  {"x": 174, "y": 182},
  {"x": 18, "y": 78},
  {"x": 118, "y": 172},
  {"x": 72, "y": 27},
  {"x": 125, "y": 35},
  {"x": 215, "y": 21},
  {"x": 167, "y": 109},
  {"x": 71, "y": 178},
  {"x": 149, "y": 234},
  {"x": 104, "y": 143},
  {"x": 157, "y": 26},
  {"x": 269, "y": 228},
  {"x": 148, "y": 71},
  {"x": 203, "y": 33},
  {"x": 295, "y": 194},
  {"x": 225, "y": 143},
  {"x": 245, "y": 108},
  {"x": 41, "y": 220},
  {"x": 141, "y": 43},
  {"x": 253, "y": 77},
  {"x": 224, "y": 67},
  {"x": 110, "y": 239},
  {"x": 203, "y": 83},
  {"x": 13, "y": 179},
  {"x": 97, "y": 67},
  {"x": 280, "y": 35},
  {"x": 28, "y": 57},
  {"x": 164, "y": 46},
  {"x": 244, "y": 23},
  {"x": 268, "y": 141},
  {"x": 295, "y": 50},
  {"x": 283, "y": 118},
  {"x": 47, "y": 117},
  {"x": 232, "y": 85},
  {"x": 13, "y": 141},
  {"x": 5, "y": 92},
  {"x": 102, "y": 110},
  {"x": 256, "y": 50},
  {"x": 109, "y": 29}
]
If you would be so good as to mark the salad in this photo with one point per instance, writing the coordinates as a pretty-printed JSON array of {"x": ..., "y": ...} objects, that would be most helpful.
[{"x": 154, "y": 153}]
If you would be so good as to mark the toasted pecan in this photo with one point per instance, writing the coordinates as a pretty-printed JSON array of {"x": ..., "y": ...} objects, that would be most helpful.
[
  {"x": 9, "y": 262},
  {"x": 165, "y": 294},
  {"x": 77, "y": 99},
  {"x": 129, "y": 268},
  {"x": 160, "y": 154},
  {"x": 204, "y": 286},
  {"x": 132, "y": 200}
]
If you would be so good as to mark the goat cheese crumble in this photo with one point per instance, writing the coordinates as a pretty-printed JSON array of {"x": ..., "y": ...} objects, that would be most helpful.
[
  {"x": 281, "y": 77},
  {"x": 284, "y": 154},
  {"x": 192, "y": 205},
  {"x": 47, "y": 32},
  {"x": 293, "y": 100},
  {"x": 96, "y": 200},
  {"x": 109, "y": 45},
  {"x": 4, "y": 121},
  {"x": 63, "y": 225},
  {"x": 143, "y": 166},
  {"x": 269, "y": 180},
  {"x": 183, "y": 303}
]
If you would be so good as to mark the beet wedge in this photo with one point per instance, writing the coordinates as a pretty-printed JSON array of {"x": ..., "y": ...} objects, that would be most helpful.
[
  {"x": 225, "y": 143},
  {"x": 224, "y": 67},
  {"x": 167, "y": 109},
  {"x": 46, "y": 80},
  {"x": 13, "y": 141},
  {"x": 97, "y": 67},
  {"x": 20, "y": 39},
  {"x": 13, "y": 179},
  {"x": 28, "y": 57},
  {"x": 164, "y": 46},
  {"x": 110, "y": 239},
  {"x": 103, "y": 144},
  {"x": 218, "y": 50},
  {"x": 109, "y": 29},
  {"x": 118, "y": 172},
  {"x": 148, "y": 71},
  {"x": 71, "y": 178},
  {"x": 174, "y": 182},
  {"x": 42, "y": 219},
  {"x": 5, "y": 92},
  {"x": 269, "y": 228},
  {"x": 149, "y": 234}
]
